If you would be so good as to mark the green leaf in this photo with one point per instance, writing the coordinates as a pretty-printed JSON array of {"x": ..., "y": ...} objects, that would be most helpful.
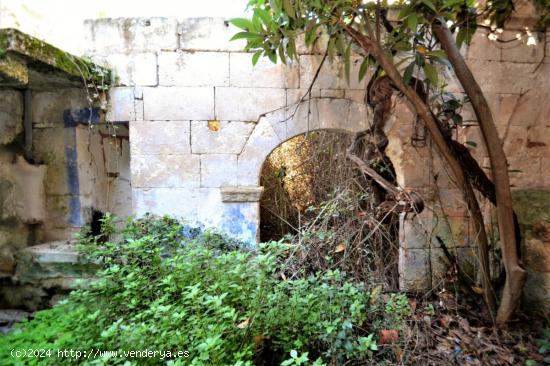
[
  {"x": 282, "y": 53},
  {"x": 291, "y": 48},
  {"x": 247, "y": 35},
  {"x": 451, "y": 3},
  {"x": 408, "y": 73},
  {"x": 430, "y": 5},
  {"x": 404, "y": 12},
  {"x": 457, "y": 119},
  {"x": 340, "y": 44},
  {"x": 364, "y": 68},
  {"x": 331, "y": 48},
  {"x": 464, "y": 36},
  {"x": 402, "y": 46},
  {"x": 241, "y": 23},
  {"x": 419, "y": 60},
  {"x": 256, "y": 57},
  {"x": 437, "y": 54},
  {"x": 347, "y": 62},
  {"x": 412, "y": 22},
  {"x": 264, "y": 16},
  {"x": 256, "y": 23},
  {"x": 272, "y": 56},
  {"x": 431, "y": 73},
  {"x": 289, "y": 9}
]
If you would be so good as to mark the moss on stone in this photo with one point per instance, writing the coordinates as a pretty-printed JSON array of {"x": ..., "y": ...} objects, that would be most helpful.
[
  {"x": 33, "y": 49},
  {"x": 532, "y": 206}
]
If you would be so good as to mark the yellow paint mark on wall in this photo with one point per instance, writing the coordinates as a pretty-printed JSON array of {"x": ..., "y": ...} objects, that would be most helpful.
[{"x": 214, "y": 125}]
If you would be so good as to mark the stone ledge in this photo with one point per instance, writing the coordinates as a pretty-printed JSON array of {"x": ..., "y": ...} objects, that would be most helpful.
[
  {"x": 54, "y": 252},
  {"x": 241, "y": 194},
  {"x": 28, "y": 62}
]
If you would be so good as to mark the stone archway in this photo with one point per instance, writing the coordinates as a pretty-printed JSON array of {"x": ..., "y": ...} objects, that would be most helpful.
[{"x": 410, "y": 165}]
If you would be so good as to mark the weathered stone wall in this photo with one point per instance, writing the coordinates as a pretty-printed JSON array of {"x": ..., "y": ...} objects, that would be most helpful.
[
  {"x": 74, "y": 170},
  {"x": 203, "y": 120},
  {"x": 13, "y": 232},
  {"x": 515, "y": 78}
]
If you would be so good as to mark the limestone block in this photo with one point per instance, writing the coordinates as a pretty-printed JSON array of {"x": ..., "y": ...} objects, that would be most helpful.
[
  {"x": 537, "y": 292},
  {"x": 264, "y": 74},
  {"x": 242, "y": 194},
  {"x": 489, "y": 75},
  {"x": 519, "y": 51},
  {"x": 165, "y": 171},
  {"x": 294, "y": 96},
  {"x": 29, "y": 183},
  {"x": 7, "y": 262},
  {"x": 121, "y": 104},
  {"x": 358, "y": 117},
  {"x": 451, "y": 202},
  {"x": 302, "y": 118},
  {"x": 179, "y": 202},
  {"x": 333, "y": 113},
  {"x": 414, "y": 231},
  {"x": 278, "y": 121},
  {"x": 414, "y": 269},
  {"x": 178, "y": 103},
  {"x": 11, "y": 115},
  {"x": 468, "y": 260},
  {"x": 194, "y": 68},
  {"x": 332, "y": 93},
  {"x": 355, "y": 95},
  {"x": 545, "y": 170},
  {"x": 227, "y": 138},
  {"x": 247, "y": 104},
  {"x": 525, "y": 171},
  {"x": 456, "y": 231},
  {"x": 109, "y": 35},
  {"x": 259, "y": 145},
  {"x": 332, "y": 75},
  {"x": 502, "y": 112},
  {"x": 218, "y": 170},
  {"x": 471, "y": 137},
  {"x": 160, "y": 137},
  {"x": 137, "y": 68},
  {"x": 48, "y": 106},
  {"x": 522, "y": 111},
  {"x": 482, "y": 48},
  {"x": 515, "y": 143},
  {"x": 208, "y": 34},
  {"x": 537, "y": 254},
  {"x": 538, "y": 137}
]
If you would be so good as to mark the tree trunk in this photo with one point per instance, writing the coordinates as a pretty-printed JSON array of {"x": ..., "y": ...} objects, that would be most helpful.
[
  {"x": 372, "y": 47},
  {"x": 515, "y": 274}
]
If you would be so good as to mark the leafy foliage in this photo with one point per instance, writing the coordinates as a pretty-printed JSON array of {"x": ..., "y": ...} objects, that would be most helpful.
[{"x": 166, "y": 286}]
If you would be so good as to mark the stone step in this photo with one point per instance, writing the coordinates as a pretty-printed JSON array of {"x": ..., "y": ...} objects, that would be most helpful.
[
  {"x": 52, "y": 264},
  {"x": 63, "y": 251}
]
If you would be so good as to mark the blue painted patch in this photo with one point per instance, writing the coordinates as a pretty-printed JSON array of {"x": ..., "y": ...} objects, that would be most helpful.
[
  {"x": 71, "y": 119},
  {"x": 236, "y": 224},
  {"x": 74, "y": 117}
]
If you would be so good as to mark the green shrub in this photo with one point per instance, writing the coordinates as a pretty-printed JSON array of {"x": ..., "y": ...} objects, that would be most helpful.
[{"x": 165, "y": 286}]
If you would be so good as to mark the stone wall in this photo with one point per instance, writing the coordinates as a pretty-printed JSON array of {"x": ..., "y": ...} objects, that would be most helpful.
[
  {"x": 203, "y": 120},
  {"x": 73, "y": 170}
]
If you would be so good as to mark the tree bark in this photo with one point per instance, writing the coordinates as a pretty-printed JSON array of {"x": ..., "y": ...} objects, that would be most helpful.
[
  {"x": 515, "y": 274},
  {"x": 425, "y": 114}
]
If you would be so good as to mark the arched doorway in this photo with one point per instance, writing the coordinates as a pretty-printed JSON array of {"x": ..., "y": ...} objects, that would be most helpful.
[{"x": 316, "y": 198}]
